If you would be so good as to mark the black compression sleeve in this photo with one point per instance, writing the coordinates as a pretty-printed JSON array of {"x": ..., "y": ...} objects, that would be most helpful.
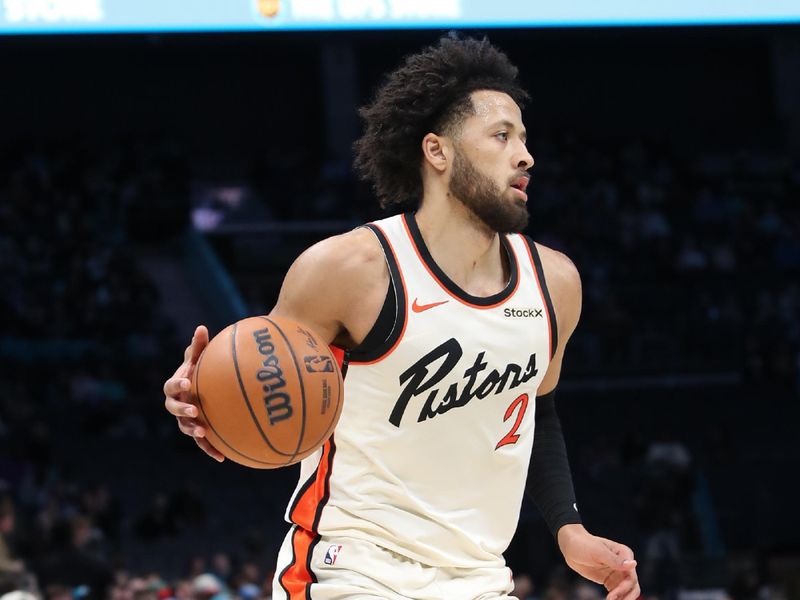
[{"x": 549, "y": 481}]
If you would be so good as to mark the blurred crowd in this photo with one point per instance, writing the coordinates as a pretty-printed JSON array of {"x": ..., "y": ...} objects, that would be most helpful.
[
  {"x": 82, "y": 348},
  {"x": 69, "y": 221},
  {"x": 78, "y": 558},
  {"x": 690, "y": 260},
  {"x": 690, "y": 266}
]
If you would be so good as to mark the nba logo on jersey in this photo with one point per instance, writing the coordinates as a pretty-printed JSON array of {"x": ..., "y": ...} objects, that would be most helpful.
[{"x": 331, "y": 554}]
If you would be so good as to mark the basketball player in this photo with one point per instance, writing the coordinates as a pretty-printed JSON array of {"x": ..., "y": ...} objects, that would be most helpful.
[{"x": 453, "y": 327}]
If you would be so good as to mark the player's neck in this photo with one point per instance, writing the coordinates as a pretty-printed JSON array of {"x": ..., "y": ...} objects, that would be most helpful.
[{"x": 463, "y": 247}]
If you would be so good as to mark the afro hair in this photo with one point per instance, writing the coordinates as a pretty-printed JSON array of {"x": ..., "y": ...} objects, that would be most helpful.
[{"x": 430, "y": 92}]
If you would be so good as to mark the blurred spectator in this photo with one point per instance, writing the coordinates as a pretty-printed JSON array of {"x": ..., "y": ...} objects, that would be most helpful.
[
  {"x": 103, "y": 509},
  {"x": 208, "y": 586},
  {"x": 72, "y": 565},
  {"x": 665, "y": 512},
  {"x": 13, "y": 575}
]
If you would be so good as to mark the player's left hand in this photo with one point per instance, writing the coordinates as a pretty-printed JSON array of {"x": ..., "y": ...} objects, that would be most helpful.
[{"x": 600, "y": 560}]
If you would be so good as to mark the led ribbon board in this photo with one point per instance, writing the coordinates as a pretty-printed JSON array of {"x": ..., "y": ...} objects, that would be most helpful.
[{"x": 142, "y": 16}]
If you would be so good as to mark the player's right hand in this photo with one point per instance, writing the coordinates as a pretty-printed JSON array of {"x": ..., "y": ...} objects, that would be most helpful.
[{"x": 177, "y": 395}]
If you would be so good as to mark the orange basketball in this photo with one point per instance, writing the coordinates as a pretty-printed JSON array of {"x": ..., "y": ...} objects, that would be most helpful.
[{"x": 269, "y": 392}]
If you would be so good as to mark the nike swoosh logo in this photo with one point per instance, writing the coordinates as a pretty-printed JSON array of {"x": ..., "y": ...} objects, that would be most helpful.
[{"x": 418, "y": 308}]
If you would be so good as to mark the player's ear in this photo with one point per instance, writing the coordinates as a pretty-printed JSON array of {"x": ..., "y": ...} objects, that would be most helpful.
[{"x": 436, "y": 150}]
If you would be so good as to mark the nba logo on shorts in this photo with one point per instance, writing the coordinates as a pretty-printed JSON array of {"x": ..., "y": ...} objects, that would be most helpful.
[{"x": 331, "y": 554}]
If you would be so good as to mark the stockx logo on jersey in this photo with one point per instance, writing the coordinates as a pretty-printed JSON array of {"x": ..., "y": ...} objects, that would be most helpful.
[
  {"x": 523, "y": 313},
  {"x": 417, "y": 381}
]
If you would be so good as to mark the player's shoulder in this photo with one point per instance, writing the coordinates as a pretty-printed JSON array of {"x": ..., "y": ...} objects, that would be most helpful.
[
  {"x": 349, "y": 257},
  {"x": 559, "y": 270},
  {"x": 335, "y": 283},
  {"x": 564, "y": 286}
]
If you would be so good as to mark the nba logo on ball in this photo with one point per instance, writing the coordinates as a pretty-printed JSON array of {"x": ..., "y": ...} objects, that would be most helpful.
[
  {"x": 318, "y": 364},
  {"x": 331, "y": 554},
  {"x": 268, "y": 8}
]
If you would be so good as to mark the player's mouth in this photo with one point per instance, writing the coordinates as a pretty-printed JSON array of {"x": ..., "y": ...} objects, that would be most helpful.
[{"x": 519, "y": 185}]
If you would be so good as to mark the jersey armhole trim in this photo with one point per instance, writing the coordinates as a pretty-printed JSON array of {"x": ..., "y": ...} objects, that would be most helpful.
[
  {"x": 381, "y": 329},
  {"x": 381, "y": 351},
  {"x": 538, "y": 272}
]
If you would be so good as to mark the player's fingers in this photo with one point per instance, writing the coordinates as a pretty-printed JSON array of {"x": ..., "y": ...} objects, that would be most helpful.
[
  {"x": 614, "y": 561},
  {"x": 625, "y": 589},
  {"x": 618, "y": 556},
  {"x": 634, "y": 593},
  {"x": 191, "y": 427},
  {"x": 174, "y": 386},
  {"x": 180, "y": 409},
  {"x": 613, "y": 580},
  {"x": 199, "y": 342},
  {"x": 206, "y": 447}
]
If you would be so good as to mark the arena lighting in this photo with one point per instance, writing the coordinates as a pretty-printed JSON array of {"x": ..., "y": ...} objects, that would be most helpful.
[{"x": 145, "y": 16}]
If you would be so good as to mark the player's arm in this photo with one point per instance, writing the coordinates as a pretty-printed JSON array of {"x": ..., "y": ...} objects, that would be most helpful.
[
  {"x": 550, "y": 481},
  {"x": 336, "y": 288}
]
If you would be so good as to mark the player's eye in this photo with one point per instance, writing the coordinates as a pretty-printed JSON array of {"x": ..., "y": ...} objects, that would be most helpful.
[{"x": 503, "y": 135}]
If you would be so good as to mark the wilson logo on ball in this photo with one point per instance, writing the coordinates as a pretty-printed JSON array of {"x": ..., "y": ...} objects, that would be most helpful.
[{"x": 279, "y": 405}]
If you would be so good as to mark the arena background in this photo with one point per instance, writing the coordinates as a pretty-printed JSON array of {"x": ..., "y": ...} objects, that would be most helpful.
[{"x": 151, "y": 181}]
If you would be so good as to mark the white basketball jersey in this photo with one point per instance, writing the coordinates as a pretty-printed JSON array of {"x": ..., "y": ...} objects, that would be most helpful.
[{"x": 431, "y": 453}]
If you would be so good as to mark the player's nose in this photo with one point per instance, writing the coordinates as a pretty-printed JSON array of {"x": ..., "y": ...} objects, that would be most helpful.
[{"x": 525, "y": 161}]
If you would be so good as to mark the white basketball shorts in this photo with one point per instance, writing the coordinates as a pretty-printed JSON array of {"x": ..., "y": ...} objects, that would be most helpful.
[{"x": 354, "y": 569}]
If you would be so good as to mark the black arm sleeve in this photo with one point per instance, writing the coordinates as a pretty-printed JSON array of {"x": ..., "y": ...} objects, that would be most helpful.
[{"x": 549, "y": 481}]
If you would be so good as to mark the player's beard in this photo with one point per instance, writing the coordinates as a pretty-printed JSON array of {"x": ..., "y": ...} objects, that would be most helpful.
[{"x": 484, "y": 198}]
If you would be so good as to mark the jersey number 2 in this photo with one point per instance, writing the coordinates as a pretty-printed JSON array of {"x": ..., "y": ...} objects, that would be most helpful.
[{"x": 512, "y": 436}]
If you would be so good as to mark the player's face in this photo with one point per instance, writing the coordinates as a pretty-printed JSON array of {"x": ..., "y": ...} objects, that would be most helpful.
[{"x": 489, "y": 173}]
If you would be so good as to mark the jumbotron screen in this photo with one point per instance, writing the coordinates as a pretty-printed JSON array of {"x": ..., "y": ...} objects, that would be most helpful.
[{"x": 142, "y": 16}]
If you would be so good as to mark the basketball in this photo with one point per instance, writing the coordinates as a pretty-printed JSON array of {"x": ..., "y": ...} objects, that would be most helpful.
[{"x": 269, "y": 392}]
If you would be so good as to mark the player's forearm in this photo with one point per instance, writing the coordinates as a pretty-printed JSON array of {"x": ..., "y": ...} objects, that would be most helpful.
[{"x": 549, "y": 481}]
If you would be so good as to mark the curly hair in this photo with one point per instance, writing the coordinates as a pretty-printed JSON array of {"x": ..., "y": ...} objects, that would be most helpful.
[{"x": 429, "y": 92}]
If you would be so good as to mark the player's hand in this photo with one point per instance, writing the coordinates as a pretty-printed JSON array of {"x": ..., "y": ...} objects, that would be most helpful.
[
  {"x": 600, "y": 560},
  {"x": 177, "y": 395}
]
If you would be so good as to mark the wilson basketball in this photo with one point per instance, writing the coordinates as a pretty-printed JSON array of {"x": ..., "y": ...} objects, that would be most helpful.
[{"x": 269, "y": 392}]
